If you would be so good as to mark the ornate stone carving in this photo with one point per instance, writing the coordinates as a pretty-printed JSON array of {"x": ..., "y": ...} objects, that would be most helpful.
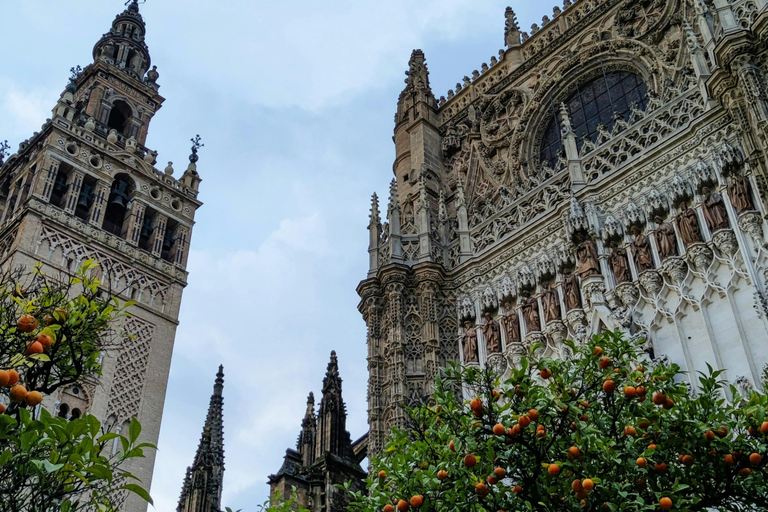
[
  {"x": 725, "y": 241},
  {"x": 555, "y": 333},
  {"x": 551, "y": 302},
  {"x": 536, "y": 338},
  {"x": 571, "y": 293},
  {"x": 619, "y": 263},
  {"x": 530, "y": 308},
  {"x": 700, "y": 255},
  {"x": 130, "y": 370},
  {"x": 586, "y": 256},
  {"x": 675, "y": 268},
  {"x": 511, "y": 323},
  {"x": 497, "y": 363},
  {"x": 627, "y": 294},
  {"x": 593, "y": 288},
  {"x": 641, "y": 251},
  {"x": 714, "y": 210},
  {"x": 666, "y": 241},
  {"x": 514, "y": 354},
  {"x": 469, "y": 343},
  {"x": 651, "y": 282},
  {"x": 492, "y": 335},
  {"x": 740, "y": 193},
  {"x": 751, "y": 223},
  {"x": 688, "y": 225}
]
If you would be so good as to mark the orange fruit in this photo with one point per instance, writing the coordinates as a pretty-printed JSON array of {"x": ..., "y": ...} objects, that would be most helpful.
[
  {"x": 687, "y": 460},
  {"x": 35, "y": 348},
  {"x": 660, "y": 467},
  {"x": 34, "y": 398},
  {"x": 546, "y": 373},
  {"x": 417, "y": 501},
  {"x": 524, "y": 421},
  {"x": 492, "y": 479},
  {"x": 442, "y": 474},
  {"x": 576, "y": 485},
  {"x": 18, "y": 393},
  {"x": 588, "y": 484},
  {"x": 642, "y": 462},
  {"x": 26, "y": 323},
  {"x": 745, "y": 472},
  {"x": 728, "y": 459},
  {"x": 582, "y": 494},
  {"x": 597, "y": 352},
  {"x": 500, "y": 472},
  {"x": 669, "y": 404},
  {"x": 644, "y": 423},
  {"x": 640, "y": 369},
  {"x": 13, "y": 377},
  {"x": 481, "y": 489},
  {"x": 470, "y": 461},
  {"x": 520, "y": 392},
  {"x": 722, "y": 431},
  {"x": 630, "y": 392},
  {"x": 553, "y": 469},
  {"x": 609, "y": 386},
  {"x": 652, "y": 446},
  {"x": 665, "y": 503},
  {"x": 382, "y": 474},
  {"x": 2, "y": 409},
  {"x": 499, "y": 429},
  {"x": 605, "y": 362},
  {"x": 496, "y": 395},
  {"x": 641, "y": 391},
  {"x": 659, "y": 398},
  {"x": 629, "y": 430},
  {"x": 403, "y": 506},
  {"x": 452, "y": 446},
  {"x": 755, "y": 458},
  {"x": 533, "y": 414},
  {"x": 574, "y": 452},
  {"x": 764, "y": 427},
  {"x": 60, "y": 315},
  {"x": 476, "y": 404},
  {"x": 709, "y": 435},
  {"x": 45, "y": 340},
  {"x": 4, "y": 378},
  {"x": 389, "y": 508},
  {"x": 517, "y": 489}
]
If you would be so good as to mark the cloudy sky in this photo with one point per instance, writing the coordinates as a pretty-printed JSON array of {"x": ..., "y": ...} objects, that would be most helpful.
[{"x": 295, "y": 103}]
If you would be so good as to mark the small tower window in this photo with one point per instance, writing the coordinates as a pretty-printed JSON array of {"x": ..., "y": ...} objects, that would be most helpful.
[
  {"x": 75, "y": 414},
  {"x": 119, "y": 117},
  {"x": 60, "y": 187},
  {"x": 117, "y": 205},
  {"x": 63, "y": 411}
]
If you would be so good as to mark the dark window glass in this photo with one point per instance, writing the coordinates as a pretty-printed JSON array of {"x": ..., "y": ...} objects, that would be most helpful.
[{"x": 592, "y": 104}]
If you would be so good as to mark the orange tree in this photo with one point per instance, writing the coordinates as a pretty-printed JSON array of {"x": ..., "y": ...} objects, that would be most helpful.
[
  {"x": 52, "y": 333},
  {"x": 606, "y": 430}
]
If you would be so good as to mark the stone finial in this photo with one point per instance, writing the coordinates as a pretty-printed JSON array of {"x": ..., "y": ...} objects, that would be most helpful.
[
  {"x": 417, "y": 76},
  {"x": 169, "y": 169},
  {"x": 4, "y": 147},
  {"x": 511, "y": 29},
  {"x": 565, "y": 121},
  {"x": 375, "y": 215},
  {"x": 460, "y": 200},
  {"x": 423, "y": 201},
  {"x": 394, "y": 201}
]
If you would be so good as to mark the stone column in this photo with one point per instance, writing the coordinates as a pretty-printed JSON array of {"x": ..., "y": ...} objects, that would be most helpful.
[
  {"x": 74, "y": 185},
  {"x": 158, "y": 235},
  {"x": 100, "y": 198},
  {"x": 45, "y": 186},
  {"x": 134, "y": 223},
  {"x": 180, "y": 244}
]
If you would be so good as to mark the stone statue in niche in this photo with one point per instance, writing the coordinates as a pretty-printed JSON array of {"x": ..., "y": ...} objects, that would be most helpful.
[
  {"x": 641, "y": 250},
  {"x": 511, "y": 324},
  {"x": 619, "y": 263},
  {"x": 492, "y": 334},
  {"x": 571, "y": 295},
  {"x": 470, "y": 343},
  {"x": 741, "y": 194},
  {"x": 531, "y": 312},
  {"x": 586, "y": 255},
  {"x": 688, "y": 225},
  {"x": 665, "y": 238},
  {"x": 714, "y": 210},
  {"x": 551, "y": 302}
]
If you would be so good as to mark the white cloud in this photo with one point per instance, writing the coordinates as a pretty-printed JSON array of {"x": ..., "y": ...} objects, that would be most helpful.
[{"x": 23, "y": 111}]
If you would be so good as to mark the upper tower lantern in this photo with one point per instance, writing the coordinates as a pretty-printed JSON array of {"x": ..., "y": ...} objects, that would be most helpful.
[{"x": 123, "y": 46}]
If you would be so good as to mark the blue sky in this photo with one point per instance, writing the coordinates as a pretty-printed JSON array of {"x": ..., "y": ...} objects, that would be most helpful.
[{"x": 295, "y": 103}]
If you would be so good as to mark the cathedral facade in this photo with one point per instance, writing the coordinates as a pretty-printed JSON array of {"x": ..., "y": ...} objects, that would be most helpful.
[
  {"x": 86, "y": 187},
  {"x": 607, "y": 170}
]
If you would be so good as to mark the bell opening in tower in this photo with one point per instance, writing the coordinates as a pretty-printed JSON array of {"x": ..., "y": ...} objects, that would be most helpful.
[
  {"x": 117, "y": 206},
  {"x": 119, "y": 117}
]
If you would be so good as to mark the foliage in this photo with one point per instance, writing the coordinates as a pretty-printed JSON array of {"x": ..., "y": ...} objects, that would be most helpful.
[
  {"x": 697, "y": 449},
  {"x": 277, "y": 503},
  {"x": 52, "y": 334}
]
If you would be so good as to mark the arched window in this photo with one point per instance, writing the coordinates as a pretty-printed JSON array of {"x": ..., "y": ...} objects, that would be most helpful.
[
  {"x": 593, "y": 103},
  {"x": 117, "y": 205},
  {"x": 63, "y": 411},
  {"x": 85, "y": 198},
  {"x": 75, "y": 414},
  {"x": 120, "y": 116},
  {"x": 60, "y": 187}
]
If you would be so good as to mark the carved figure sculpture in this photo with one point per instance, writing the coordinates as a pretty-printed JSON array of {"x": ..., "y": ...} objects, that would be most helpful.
[
  {"x": 586, "y": 254},
  {"x": 665, "y": 238},
  {"x": 470, "y": 343},
  {"x": 511, "y": 324},
  {"x": 492, "y": 334},
  {"x": 714, "y": 210},
  {"x": 619, "y": 263},
  {"x": 551, "y": 302},
  {"x": 531, "y": 313},
  {"x": 740, "y": 194},
  {"x": 688, "y": 225},
  {"x": 571, "y": 295},
  {"x": 641, "y": 250}
]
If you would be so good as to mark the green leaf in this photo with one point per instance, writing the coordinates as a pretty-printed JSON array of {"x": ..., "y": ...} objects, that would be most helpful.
[
  {"x": 139, "y": 491},
  {"x": 134, "y": 430}
]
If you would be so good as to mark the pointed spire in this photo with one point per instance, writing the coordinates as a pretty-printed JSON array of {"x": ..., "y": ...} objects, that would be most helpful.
[
  {"x": 375, "y": 217},
  {"x": 332, "y": 435},
  {"x": 202, "y": 487},
  {"x": 394, "y": 201},
  {"x": 511, "y": 29},
  {"x": 423, "y": 200},
  {"x": 417, "y": 75},
  {"x": 332, "y": 380}
]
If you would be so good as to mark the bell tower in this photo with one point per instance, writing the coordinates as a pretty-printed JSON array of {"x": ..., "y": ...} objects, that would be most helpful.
[{"x": 86, "y": 187}]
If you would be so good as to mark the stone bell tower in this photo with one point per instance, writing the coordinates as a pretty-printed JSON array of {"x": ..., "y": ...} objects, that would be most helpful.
[{"x": 86, "y": 187}]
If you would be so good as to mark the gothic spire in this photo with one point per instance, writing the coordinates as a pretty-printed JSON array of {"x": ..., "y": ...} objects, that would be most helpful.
[
  {"x": 332, "y": 380},
  {"x": 123, "y": 46},
  {"x": 417, "y": 76},
  {"x": 202, "y": 487},
  {"x": 332, "y": 416},
  {"x": 511, "y": 29}
]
